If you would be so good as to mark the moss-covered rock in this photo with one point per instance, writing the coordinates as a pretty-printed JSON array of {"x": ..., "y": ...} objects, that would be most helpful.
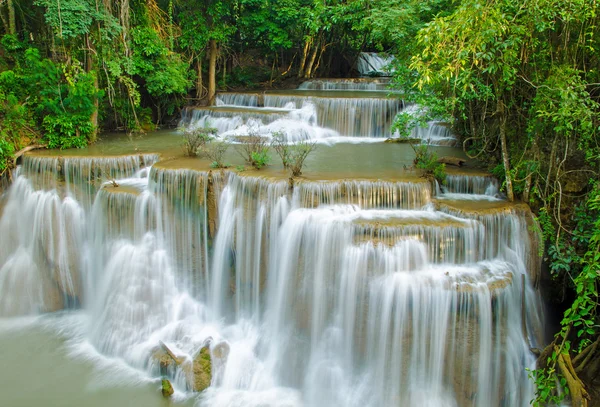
[
  {"x": 202, "y": 370},
  {"x": 167, "y": 388}
]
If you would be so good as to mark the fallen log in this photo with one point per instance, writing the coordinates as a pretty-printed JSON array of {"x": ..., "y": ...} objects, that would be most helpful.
[
  {"x": 22, "y": 151},
  {"x": 452, "y": 161}
]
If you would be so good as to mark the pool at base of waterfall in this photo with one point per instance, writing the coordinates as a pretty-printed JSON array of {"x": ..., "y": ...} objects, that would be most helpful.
[{"x": 47, "y": 361}]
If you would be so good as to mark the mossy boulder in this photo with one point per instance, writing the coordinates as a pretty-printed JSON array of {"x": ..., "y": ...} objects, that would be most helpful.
[
  {"x": 167, "y": 388},
  {"x": 202, "y": 370}
]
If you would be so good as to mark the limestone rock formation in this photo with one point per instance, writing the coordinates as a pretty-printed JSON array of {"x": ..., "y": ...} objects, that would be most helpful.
[
  {"x": 202, "y": 370},
  {"x": 199, "y": 370}
]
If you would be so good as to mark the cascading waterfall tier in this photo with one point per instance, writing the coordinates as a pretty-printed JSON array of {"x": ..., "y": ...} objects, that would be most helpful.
[
  {"x": 44, "y": 224},
  {"x": 459, "y": 185},
  {"x": 374, "y": 64},
  {"x": 327, "y": 293},
  {"x": 322, "y": 110},
  {"x": 346, "y": 84}
]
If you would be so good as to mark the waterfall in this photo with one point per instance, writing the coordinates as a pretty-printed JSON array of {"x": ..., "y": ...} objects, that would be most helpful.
[
  {"x": 345, "y": 84},
  {"x": 373, "y": 64},
  {"x": 326, "y": 292},
  {"x": 324, "y": 111},
  {"x": 471, "y": 185}
]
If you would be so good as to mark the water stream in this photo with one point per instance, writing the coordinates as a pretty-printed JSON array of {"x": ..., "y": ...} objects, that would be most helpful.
[{"x": 326, "y": 292}]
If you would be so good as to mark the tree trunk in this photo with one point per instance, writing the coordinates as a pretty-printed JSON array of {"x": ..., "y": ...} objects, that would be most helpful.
[
  {"x": 304, "y": 56},
  {"x": 551, "y": 164},
  {"x": 224, "y": 73},
  {"x": 212, "y": 68},
  {"x": 4, "y": 22},
  {"x": 90, "y": 68},
  {"x": 199, "y": 81},
  {"x": 12, "y": 23},
  {"x": 505, "y": 160},
  {"x": 529, "y": 178},
  {"x": 308, "y": 72}
]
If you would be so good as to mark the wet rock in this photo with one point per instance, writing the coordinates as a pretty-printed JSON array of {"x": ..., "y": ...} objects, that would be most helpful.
[
  {"x": 202, "y": 370},
  {"x": 198, "y": 371},
  {"x": 167, "y": 388},
  {"x": 162, "y": 359}
]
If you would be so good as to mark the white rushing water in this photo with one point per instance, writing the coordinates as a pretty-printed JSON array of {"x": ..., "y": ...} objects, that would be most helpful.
[
  {"x": 324, "y": 111},
  {"x": 372, "y": 63},
  {"x": 335, "y": 293}
]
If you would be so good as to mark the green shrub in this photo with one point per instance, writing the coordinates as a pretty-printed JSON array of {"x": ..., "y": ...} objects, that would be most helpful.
[
  {"x": 260, "y": 158},
  {"x": 254, "y": 150},
  {"x": 426, "y": 160}
]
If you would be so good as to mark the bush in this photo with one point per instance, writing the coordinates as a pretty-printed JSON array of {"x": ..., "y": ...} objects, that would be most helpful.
[
  {"x": 215, "y": 151},
  {"x": 427, "y": 161},
  {"x": 292, "y": 155},
  {"x": 254, "y": 149},
  {"x": 195, "y": 140}
]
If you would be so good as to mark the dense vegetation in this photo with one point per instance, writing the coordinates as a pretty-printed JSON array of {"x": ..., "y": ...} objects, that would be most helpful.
[{"x": 518, "y": 79}]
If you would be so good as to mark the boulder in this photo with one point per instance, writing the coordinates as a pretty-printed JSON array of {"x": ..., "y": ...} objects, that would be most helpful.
[
  {"x": 202, "y": 370},
  {"x": 198, "y": 371},
  {"x": 167, "y": 388}
]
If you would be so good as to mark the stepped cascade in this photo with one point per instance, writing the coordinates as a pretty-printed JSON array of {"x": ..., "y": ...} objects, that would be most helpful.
[
  {"x": 326, "y": 291},
  {"x": 325, "y": 111}
]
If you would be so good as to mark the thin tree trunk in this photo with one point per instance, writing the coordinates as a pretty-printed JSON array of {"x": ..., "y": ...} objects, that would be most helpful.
[
  {"x": 90, "y": 68},
  {"x": 4, "y": 22},
  {"x": 225, "y": 73},
  {"x": 509, "y": 186},
  {"x": 199, "y": 81},
  {"x": 12, "y": 23},
  {"x": 321, "y": 52},
  {"x": 212, "y": 68},
  {"x": 529, "y": 178},
  {"x": 311, "y": 61},
  {"x": 551, "y": 164},
  {"x": 304, "y": 56}
]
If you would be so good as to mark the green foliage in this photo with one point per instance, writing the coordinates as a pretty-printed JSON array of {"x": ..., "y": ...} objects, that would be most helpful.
[
  {"x": 582, "y": 314},
  {"x": 396, "y": 23},
  {"x": 260, "y": 158},
  {"x": 7, "y": 149},
  {"x": 56, "y": 101},
  {"x": 426, "y": 160},
  {"x": 68, "y": 18},
  {"x": 164, "y": 74},
  {"x": 547, "y": 393}
]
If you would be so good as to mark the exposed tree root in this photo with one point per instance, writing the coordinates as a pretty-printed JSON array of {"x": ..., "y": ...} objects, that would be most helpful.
[{"x": 579, "y": 396}]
